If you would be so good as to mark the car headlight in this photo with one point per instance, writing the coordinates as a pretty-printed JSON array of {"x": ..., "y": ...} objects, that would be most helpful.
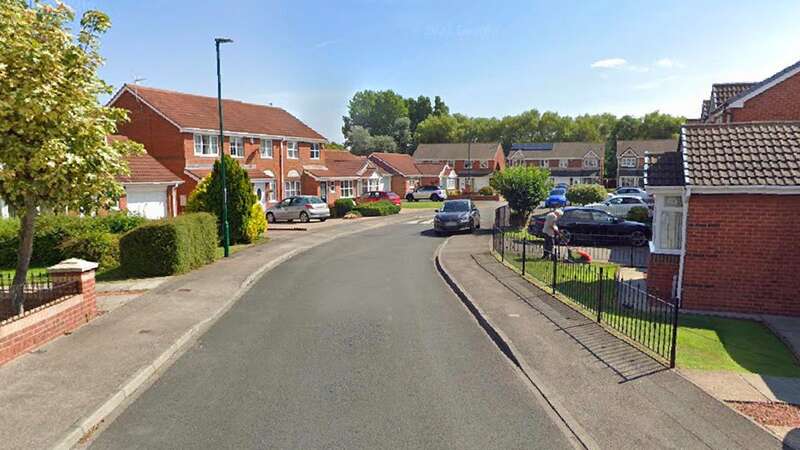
[{"x": 463, "y": 218}]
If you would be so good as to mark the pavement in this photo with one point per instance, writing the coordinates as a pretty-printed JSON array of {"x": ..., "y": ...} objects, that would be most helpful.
[
  {"x": 357, "y": 343},
  {"x": 63, "y": 390},
  {"x": 608, "y": 392}
]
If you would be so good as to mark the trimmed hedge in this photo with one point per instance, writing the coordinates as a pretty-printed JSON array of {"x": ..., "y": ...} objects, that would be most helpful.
[
  {"x": 639, "y": 214},
  {"x": 169, "y": 246},
  {"x": 96, "y": 245},
  {"x": 583, "y": 194},
  {"x": 381, "y": 208},
  {"x": 486, "y": 190},
  {"x": 342, "y": 206}
]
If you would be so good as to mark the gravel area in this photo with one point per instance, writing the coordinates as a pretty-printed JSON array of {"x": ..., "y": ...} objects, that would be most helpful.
[{"x": 771, "y": 414}]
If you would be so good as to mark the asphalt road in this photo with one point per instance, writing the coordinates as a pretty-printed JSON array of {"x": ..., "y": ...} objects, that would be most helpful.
[{"x": 355, "y": 344}]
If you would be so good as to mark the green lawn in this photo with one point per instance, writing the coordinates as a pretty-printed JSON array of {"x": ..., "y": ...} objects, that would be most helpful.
[
  {"x": 704, "y": 342},
  {"x": 422, "y": 204}
]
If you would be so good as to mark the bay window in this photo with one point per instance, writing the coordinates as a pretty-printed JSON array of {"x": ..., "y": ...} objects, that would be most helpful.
[
  {"x": 206, "y": 145},
  {"x": 347, "y": 189},
  {"x": 237, "y": 147},
  {"x": 292, "y": 152},
  {"x": 266, "y": 148},
  {"x": 668, "y": 230}
]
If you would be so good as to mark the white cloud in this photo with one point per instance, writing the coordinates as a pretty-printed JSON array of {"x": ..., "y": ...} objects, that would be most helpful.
[
  {"x": 667, "y": 63},
  {"x": 609, "y": 63}
]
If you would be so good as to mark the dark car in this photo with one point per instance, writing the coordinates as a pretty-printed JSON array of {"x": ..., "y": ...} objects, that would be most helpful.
[
  {"x": 457, "y": 215},
  {"x": 593, "y": 226}
]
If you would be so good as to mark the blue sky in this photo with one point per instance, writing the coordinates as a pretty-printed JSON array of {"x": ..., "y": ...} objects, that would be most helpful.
[{"x": 490, "y": 58}]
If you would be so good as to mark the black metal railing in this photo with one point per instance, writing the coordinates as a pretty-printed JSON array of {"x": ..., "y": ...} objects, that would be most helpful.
[
  {"x": 591, "y": 278},
  {"x": 39, "y": 289}
]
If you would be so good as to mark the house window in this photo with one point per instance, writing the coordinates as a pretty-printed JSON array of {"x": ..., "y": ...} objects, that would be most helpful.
[
  {"x": 347, "y": 189},
  {"x": 332, "y": 187},
  {"x": 590, "y": 163},
  {"x": 292, "y": 188},
  {"x": 628, "y": 162},
  {"x": 237, "y": 147},
  {"x": 563, "y": 163},
  {"x": 484, "y": 164},
  {"x": 451, "y": 183},
  {"x": 372, "y": 184},
  {"x": 271, "y": 194},
  {"x": 314, "y": 151},
  {"x": 266, "y": 148},
  {"x": 206, "y": 145},
  {"x": 468, "y": 164},
  {"x": 669, "y": 222},
  {"x": 450, "y": 162},
  {"x": 291, "y": 150}
]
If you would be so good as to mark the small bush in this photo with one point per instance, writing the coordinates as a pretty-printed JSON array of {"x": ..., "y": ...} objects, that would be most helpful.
[
  {"x": 583, "y": 194},
  {"x": 256, "y": 224},
  {"x": 99, "y": 246},
  {"x": 639, "y": 214},
  {"x": 169, "y": 246},
  {"x": 343, "y": 206},
  {"x": 453, "y": 193},
  {"x": 120, "y": 222},
  {"x": 381, "y": 208},
  {"x": 486, "y": 190}
]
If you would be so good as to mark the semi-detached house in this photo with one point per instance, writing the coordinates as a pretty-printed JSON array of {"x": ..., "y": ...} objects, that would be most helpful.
[
  {"x": 181, "y": 132},
  {"x": 473, "y": 163},
  {"x": 568, "y": 162},
  {"x": 631, "y": 157}
]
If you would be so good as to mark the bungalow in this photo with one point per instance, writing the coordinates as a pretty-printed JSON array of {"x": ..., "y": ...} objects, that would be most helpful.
[
  {"x": 725, "y": 235},
  {"x": 630, "y": 158},
  {"x": 568, "y": 162},
  {"x": 181, "y": 131},
  {"x": 344, "y": 178},
  {"x": 474, "y": 163},
  {"x": 402, "y": 168}
]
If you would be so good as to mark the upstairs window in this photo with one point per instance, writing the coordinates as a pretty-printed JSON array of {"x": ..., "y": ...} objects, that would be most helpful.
[
  {"x": 590, "y": 163},
  {"x": 628, "y": 162},
  {"x": 484, "y": 164},
  {"x": 266, "y": 148},
  {"x": 563, "y": 163},
  {"x": 237, "y": 147},
  {"x": 468, "y": 164},
  {"x": 314, "y": 151},
  {"x": 206, "y": 145},
  {"x": 292, "y": 152}
]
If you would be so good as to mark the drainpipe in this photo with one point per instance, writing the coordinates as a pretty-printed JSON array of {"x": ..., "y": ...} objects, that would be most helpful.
[
  {"x": 279, "y": 182},
  {"x": 683, "y": 244}
]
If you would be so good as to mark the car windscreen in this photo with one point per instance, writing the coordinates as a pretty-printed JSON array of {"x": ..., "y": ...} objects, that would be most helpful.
[
  {"x": 557, "y": 192},
  {"x": 455, "y": 207},
  {"x": 315, "y": 200}
]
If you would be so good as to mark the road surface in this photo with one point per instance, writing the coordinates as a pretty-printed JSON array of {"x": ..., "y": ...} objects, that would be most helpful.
[{"x": 355, "y": 344}]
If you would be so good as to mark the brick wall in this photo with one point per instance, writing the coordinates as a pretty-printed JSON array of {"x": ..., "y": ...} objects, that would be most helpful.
[
  {"x": 42, "y": 324},
  {"x": 662, "y": 271},
  {"x": 781, "y": 102},
  {"x": 743, "y": 253}
]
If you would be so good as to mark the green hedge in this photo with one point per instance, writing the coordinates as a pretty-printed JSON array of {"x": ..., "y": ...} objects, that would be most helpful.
[
  {"x": 342, "y": 206},
  {"x": 381, "y": 208},
  {"x": 170, "y": 246},
  {"x": 96, "y": 245}
]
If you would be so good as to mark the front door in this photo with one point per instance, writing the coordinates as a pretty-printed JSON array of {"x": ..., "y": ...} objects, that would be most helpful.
[
  {"x": 323, "y": 191},
  {"x": 260, "y": 189}
]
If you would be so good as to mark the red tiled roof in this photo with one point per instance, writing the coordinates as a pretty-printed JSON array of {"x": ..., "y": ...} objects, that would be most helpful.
[
  {"x": 341, "y": 155},
  {"x": 342, "y": 169},
  {"x": 196, "y": 111},
  {"x": 145, "y": 169},
  {"x": 430, "y": 169},
  {"x": 396, "y": 163},
  {"x": 201, "y": 173}
]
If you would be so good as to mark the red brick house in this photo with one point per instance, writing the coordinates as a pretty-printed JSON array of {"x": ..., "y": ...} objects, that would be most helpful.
[
  {"x": 474, "y": 163},
  {"x": 344, "y": 178},
  {"x": 181, "y": 132},
  {"x": 630, "y": 158},
  {"x": 725, "y": 234},
  {"x": 403, "y": 169},
  {"x": 568, "y": 162}
]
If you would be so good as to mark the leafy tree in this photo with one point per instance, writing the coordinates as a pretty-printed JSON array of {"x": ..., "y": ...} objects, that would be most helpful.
[
  {"x": 334, "y": 145},
  {"x": 402, "y": 135},
  {"x": 438, "y": 129},
  {"x": 523, "y": 187},
  {"x": 53, "y": 149},
  {"x": 375, "y": 110},
  {"x": 439, "y": 107},
  {"x": 359, "y": 141},
  {"x": 583, "y": 194},
  {"x": 208, "y": 198},
  {"x": 418, "y": 110},
  {"x": 383, "y": 144}
]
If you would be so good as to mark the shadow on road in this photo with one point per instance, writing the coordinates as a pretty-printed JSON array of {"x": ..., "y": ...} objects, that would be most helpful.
[{"x": 792, "y": 440}]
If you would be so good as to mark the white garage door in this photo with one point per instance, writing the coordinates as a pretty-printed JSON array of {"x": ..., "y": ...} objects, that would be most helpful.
[{"x": 147, "y": 202}]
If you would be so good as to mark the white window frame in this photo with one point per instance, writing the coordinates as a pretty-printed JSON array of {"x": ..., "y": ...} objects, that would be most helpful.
[
  {"x": 206, "y": 145},
  {"x": 315, "y": 150},
  {"x": 332, "y": 187},
  {"x": 628, "y": 162},
  {"x": 373, "y": 184},
  {"x": 467, "y": 164},
  {"x": 346, "y": 187},
  {"x": 484, "y": 164},
  {"x": 292, "y": 150},
  {"x": 272, "y": 195},
  {"x": 239, "y": 146},
  {"x": 450, "y": 162},
  {"x": 591, "y": 163},
  {"x": 563, "y": 163},
  {"x": 266, "y": 148},
  {"x": 292, "y": 189},
  {"x": 675, "y": 213}
]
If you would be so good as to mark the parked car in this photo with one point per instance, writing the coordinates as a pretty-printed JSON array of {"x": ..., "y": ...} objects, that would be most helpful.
[
  {"x": 302, "y": 208},
  {"x": 376, "y": 196},
  {"x": 634, "y": 191},
  {"x": 593, "y": 226},
  {"x": 563, "y": 186},
  {"x": 457, "y": 215},
  {"x": 621, "y": 205},
  {"x": 556, "y": 199},
  {"x": 434, "y": 193}
]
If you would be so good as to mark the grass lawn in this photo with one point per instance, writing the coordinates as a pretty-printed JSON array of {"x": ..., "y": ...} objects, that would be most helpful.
[
  {"x": 422, "y": 204},
  {"x": 704, "y": 342}
]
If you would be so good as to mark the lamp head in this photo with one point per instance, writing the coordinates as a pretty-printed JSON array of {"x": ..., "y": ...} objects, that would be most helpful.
[{"x": 222, "y": 40}]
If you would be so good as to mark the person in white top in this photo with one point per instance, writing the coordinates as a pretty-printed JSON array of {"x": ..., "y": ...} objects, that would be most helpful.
[{"x": 550, "y": 230}]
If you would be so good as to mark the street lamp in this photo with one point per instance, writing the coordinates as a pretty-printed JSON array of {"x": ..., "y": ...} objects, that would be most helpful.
[{"x": 225, "y": 228}]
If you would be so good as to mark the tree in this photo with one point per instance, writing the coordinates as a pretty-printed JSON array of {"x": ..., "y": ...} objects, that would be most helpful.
[
  {"x": 523, "y": 187},
  {"x": 418, "y": 110},
  {"x": 374, "y": 110},
  {"x": 359, "y": 141},
  {"x": 208, "y": 197},
  {"x": 334, "y": 145},
  {"x": 583, "y": 194},
  {"x": 438, "y": 129},
  {"x": 402, "y": 135},
  {"x": 54, "y": 152},
  {"x": 382, "y": 144},
  {"x": 439, "y": 108}
]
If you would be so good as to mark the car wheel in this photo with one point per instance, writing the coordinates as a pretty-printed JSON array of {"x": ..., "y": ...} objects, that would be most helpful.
[
  {"x": 638, "y": 239},
  {"x": 270, "y": 218},
  {"x": 323, "y": 219},
  {"x": 435, "y": 198},
  {"x": 409, "y": 197},
  {"x": 304, "y": 217},
  {"x": 471, "y": 226}
]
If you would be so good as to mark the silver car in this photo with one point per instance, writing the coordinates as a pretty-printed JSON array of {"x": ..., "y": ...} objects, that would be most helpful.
[
  {"x": 434, "y": 193},
  {"x": 302, "y": 208}
]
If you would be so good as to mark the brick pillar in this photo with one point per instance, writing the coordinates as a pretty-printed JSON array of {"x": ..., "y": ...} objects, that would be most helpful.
[{"x": 82, "y": 272}]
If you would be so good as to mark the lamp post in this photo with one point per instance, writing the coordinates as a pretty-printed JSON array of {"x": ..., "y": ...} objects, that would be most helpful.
[{"x": 225, "y": 227}]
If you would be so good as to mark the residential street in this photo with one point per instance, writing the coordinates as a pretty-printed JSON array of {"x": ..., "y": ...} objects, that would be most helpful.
[{"x": 354, "y": 344}]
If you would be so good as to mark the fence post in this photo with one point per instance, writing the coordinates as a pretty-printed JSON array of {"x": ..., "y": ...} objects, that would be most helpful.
[
  {"x": 554, "y": 257},
  {"x": 674, "y": 349},
  {"x": 600, "y": 296},
  {"x": 502, "y": 246},
  {"x": 524, "y": 246}
]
